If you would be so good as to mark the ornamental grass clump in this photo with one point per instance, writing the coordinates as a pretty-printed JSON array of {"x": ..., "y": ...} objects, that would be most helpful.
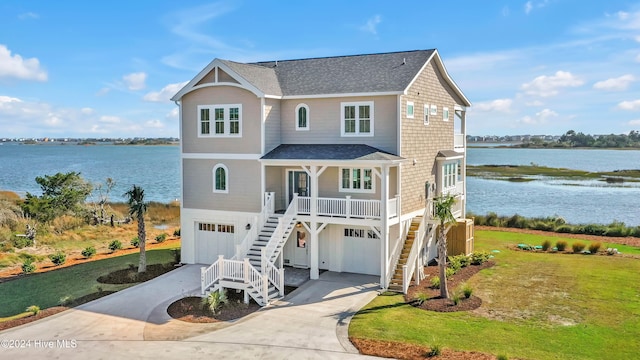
[
  {"x": 421, "y": 298},
  {"x": 578, "y": 246},
  {"x": 435, "y": 282},
  {"x": 594, "y": 247},
  {"x": 561, "y": 245},
  {"x": 546, "y": 245}
]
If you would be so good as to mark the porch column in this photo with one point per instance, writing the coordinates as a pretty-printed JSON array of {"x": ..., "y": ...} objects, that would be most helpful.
[
  {"x": 384, "y": 228},
  {"x": 314, "y": 273}
]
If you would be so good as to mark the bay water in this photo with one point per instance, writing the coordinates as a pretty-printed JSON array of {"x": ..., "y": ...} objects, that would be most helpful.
[{"x": 157, "y": 170}]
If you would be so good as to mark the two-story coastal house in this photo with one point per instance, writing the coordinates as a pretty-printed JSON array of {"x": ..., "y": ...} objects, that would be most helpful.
[{"x": 323, "y": 163}]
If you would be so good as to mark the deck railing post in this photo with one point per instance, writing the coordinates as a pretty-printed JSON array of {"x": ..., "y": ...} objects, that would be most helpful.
[
  {"x": 347, "y": 206},
  {"x": 405, "y": 281},
  {"x": 203, "y": 271},
  {"x": 265, "y": 288},
  {"x": 221, "y": 266},
  {"x": 245, "y": 271},
  {"x": 281, "y": 281}
]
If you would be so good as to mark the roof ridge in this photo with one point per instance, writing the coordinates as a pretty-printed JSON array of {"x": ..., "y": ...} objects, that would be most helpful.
[{"x": 340, "y": 56}]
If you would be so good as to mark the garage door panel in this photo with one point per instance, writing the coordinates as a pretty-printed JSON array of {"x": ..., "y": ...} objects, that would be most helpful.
[
  {"x": 361, "y": 253},
  {"x": 213, "y": 240}
]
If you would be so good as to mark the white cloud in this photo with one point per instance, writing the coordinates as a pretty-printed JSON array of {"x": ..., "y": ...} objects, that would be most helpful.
[
  {"x": 638, "y": 58},
  {"x": 546, "y": 114},
  {"x": 157, "y": 124},
  {"x": 87, "y": 111},
  {"x": 28, "y": 15},
  {"x": 165, "y": 94},
  {"x": 104, "y": 91},
  {"x": 14, "y": 66},
  {"x": 534, "y": 103},
  {"x": 173, "y": 114},
  {"x": 541, "y": 117},
  {"x": 546, "y": 86},
  {"x": 8, "y": 99},
  {"x": 527, "y": 7},
  {"x": 135, "y": 81},
  {"x": 637, "y": 38},
  {"x": 501, "y": 105},
  {"x": 629, "y": 105},
  {"x": 371, "y": 25},
  {"x": 615, "y": 84},
  {"x": 110, "y": 119},
  {"x": 634, "y": 122}
]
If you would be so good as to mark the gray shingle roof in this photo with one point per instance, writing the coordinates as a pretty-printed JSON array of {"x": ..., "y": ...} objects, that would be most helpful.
[
  {"x": 387, "y": 72},
  {"x": 261, "y": 77},
  {"x": 329, "y": 152}
]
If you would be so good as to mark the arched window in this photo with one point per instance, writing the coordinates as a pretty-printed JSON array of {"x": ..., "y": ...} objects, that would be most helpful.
[
  {"x": 220, "y": 179},
  {"x": 302, "y": 117}
]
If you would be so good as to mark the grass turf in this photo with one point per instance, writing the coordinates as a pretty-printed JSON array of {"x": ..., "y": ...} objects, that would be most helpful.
[
  {"x": 536, "y": 306},
  {"x": 66, "y": 284}
]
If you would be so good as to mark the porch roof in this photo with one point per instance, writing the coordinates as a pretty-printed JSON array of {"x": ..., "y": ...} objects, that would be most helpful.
[{"x": 359, "y": 152}]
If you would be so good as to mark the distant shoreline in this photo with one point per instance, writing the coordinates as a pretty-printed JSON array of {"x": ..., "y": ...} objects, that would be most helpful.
[{"x": 519, "y": 146}]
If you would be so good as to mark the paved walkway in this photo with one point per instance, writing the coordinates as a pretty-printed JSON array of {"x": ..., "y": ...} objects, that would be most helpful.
[{"x": 133, "y": 323}]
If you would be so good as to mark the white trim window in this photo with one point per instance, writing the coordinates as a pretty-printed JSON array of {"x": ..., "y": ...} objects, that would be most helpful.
[
  {"x": 445, "y": 113},
  {"x": 426, "y": 114},
  {"x": 356, "y": 180},
  {"x": 302, "y": 117},
  {"x": 356, "y": 118},
  {"x": 410, "y": 109},
  {"x": 227, "y": 120},
  {"x": 434, "y": 110},
  {"x": 220, "y": 179},
  {"x": 449, "y": 175}
]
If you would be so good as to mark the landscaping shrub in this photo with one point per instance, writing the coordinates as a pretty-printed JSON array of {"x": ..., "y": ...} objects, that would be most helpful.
[
  {"x": 436, "y": 350},
  {"x": 176, "y": 255},
  {"x": 492, "y": 219},
  {"x": 541, "y": 225},
  {"x": 456, "y": 297},
  {"x": 58, "y": 258},
  {"x": 616, "y": 230},
  {"x": 176, "y": 232},
  {"x": 594, "y": 229},
  {"x": 21, "y": 242},
  {"x": 33, "y": 309},
  {"x": 135, "y": 242},
  {"x": 435, "y": 282},
  {"x": 421, "y": 298},
  {"x": 594, "y": 247},
  {"x": 546, "y": 245},
  {"x": 161, "y": 238},
  {"x": 115, "y": 245},
  {"x": 479, "y": 257},
  {"x": 88, "y": 252},
  {"x": 467, "y": 290},
  {"x": 502, "y": 357},
  {"x": 561, "y": 245},
  {"x": 28, "y": 267},
  {"x": 449, "y": 272},
  {"x": 214, "y": 301},
  {"x": 577, "y": 246},
  {"x": 566, "y": 229}
]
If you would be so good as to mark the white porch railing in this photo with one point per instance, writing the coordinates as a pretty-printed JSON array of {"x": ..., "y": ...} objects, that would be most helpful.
[
  {"x": 242, "y": 272},
  {"x": 275, "y": 275},
  {"x": 458, "y": 141},
  {"x": 393, "y": 206},
  {"x": 347, "y": 207},
  {"x": 256, "y": 224}
]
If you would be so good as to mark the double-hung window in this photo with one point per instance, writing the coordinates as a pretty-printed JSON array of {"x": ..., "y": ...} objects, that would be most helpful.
[
  {"x": 410, "y": 109},
  {"x": 227, "y": 120},
  {"x": 357, "y": 118},
  {"x": 356, "y": 180},
  {"x": 449, "y": 175}
]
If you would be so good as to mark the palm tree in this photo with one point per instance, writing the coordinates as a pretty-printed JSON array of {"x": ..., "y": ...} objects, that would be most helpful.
[
  {"x": 443, "y": 214},
  {"x": 137, "y": 209}
]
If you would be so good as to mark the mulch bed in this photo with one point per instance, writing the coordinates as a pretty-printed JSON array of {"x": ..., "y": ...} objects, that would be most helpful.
[
  {"x": 435, "y": 302},
  {"x": 25, "y": 320},
  {"x": 190, "y": 309},
  {"x": 406, "y": 351},
  {"x": 131, "y": 275}
]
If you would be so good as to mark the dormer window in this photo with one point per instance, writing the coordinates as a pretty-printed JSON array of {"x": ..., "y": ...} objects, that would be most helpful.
[{"x": 302, "y": 117}]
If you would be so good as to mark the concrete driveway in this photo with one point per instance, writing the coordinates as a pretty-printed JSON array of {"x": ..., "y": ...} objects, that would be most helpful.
[{"x": 133, "y": 323}]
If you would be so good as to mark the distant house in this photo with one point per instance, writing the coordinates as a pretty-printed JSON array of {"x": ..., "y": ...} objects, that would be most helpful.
[{"x": 323, "y": 163}]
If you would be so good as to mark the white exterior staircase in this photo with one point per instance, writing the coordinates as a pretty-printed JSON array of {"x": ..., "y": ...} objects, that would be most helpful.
[{"x": 254, "y": 270}]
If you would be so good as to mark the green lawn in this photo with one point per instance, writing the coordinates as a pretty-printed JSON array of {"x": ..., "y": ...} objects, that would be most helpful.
[
  {"x": 535, "y": 306},
  {"x": 51, "y": 288}
]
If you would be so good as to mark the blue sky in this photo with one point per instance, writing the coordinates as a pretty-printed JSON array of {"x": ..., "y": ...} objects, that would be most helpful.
[{"x": 108, "y": 68}]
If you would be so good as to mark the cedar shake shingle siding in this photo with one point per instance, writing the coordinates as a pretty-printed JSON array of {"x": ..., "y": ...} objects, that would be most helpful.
[{"x": 422, "y": 142}]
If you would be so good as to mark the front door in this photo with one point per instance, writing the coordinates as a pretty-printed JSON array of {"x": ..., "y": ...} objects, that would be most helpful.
[
  {"x": 298, "y": 183},
  {"x": 301, "y": 252}
]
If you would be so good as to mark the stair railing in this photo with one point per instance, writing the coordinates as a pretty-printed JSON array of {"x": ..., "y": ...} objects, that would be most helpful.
[
  {"x": 255, "y": 225},
  {"x": 283, "y": 229},
  {"x": 397, "y": 249},
  {"x": 412, "y": 265}
]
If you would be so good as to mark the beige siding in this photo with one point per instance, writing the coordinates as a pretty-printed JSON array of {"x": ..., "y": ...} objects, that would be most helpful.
[
  {"x": 422, "y": 142},
  {"x": 224, "y": 77},
  {"x": 251, "y": 123},
  {"x": 324, "y": 122},
  {"x": 243, "y": 185},
  {"x": 276, "y": 182},
  {"x": 209, "y": 78},
  {"x": 272, "y": 124}
]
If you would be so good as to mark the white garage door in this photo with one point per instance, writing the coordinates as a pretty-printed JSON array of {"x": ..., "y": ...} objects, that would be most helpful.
[
  {"x": 213, "y": 240},
  {"x": 361, "y": 252}
]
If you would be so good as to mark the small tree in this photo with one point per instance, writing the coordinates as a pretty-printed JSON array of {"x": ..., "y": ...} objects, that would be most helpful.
[
  {"x": 61, "y": 194},
  {"x": 442, "y": 212},
  {"x": 137, "y": 209}
]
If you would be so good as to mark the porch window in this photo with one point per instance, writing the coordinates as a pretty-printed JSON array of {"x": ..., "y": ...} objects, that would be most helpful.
[
  {"x": 220, "y": 179},
  {"x": 302, "y": 117},
  {"x": 449, "y": 175},
  {"x": 410, "y": 109},
  {"x": 227, "y": 120},
  {"x": 356, "y": 180},
  {"x": 357, "y": 118}
]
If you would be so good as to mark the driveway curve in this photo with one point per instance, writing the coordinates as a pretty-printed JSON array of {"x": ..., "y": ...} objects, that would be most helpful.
[{"x": 311, "y": 323}]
